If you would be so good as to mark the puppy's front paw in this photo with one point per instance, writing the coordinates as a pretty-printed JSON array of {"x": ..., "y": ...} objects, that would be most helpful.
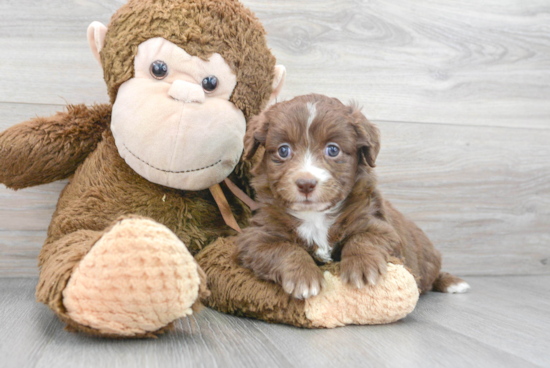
[
  {"x": 359, "y": 271},
  {"x": 303, "y": 282}
]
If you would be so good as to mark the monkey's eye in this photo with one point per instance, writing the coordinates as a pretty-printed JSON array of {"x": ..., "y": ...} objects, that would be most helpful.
[
  {"x": 159, "y": 69},
  {"x": 210, "y": 83},
  {"x": 332, "y": 150},
  {"x": 284, "y": 151}
]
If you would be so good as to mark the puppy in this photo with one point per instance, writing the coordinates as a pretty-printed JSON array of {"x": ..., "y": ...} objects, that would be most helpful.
[{"x": 319, "y": 203}]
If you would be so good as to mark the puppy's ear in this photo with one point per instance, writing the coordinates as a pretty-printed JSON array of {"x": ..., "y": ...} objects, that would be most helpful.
[
  {"x": 256, "y": 134},
  {"x": 368, "y": 136}
]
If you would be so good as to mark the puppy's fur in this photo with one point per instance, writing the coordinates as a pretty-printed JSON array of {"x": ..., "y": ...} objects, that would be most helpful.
[{"x": 319, "y": 202}]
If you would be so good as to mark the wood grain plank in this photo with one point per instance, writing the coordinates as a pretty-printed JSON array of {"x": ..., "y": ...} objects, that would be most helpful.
[
  {"x": 481, "y": 194},
  {"x": 24, "y": 219},
  {"x": 29, "y": 209},
  {"x": 45, "y": 54},
  {"x": 481, "y": 328},
  {"x": 12, "y": 114},
  {"x": 27, "y": 328},
  {"x": 465, "y": 63},
  {"x": 19, "y": 252},
  {"x": 469, "y": 63},
  {"x": 498, "y": 314}
]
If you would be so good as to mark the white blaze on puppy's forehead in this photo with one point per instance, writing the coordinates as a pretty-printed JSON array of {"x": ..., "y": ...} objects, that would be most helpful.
[
  {"x": 312, "y": 112},
  {"x": 319, "y": 173},
  {"x": 308, "y": 165},
  {"x": 312, "y": 109}
]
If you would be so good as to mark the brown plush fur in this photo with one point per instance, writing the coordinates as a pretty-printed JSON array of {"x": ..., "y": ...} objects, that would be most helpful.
[
  {"x": 366, "y": 229},
  {"x": 236, "y": 290},
  {"x": 201, "y": 27},
  {"x": 103, "y": 189},
  {"x": 44, "y": 150}
]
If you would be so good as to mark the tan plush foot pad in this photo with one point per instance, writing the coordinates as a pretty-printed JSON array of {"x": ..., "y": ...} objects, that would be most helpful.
[
  {"x": 236, "y": 290},
  {"x": 391, "y": 299},
  {"x": 137, "y": 278}
]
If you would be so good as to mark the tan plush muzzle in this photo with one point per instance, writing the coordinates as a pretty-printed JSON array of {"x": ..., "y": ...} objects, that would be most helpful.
[{"x": 197, "y": 138}]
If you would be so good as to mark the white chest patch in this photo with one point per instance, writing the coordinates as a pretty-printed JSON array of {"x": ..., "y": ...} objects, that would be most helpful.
[{"x": 314, "y": 230}]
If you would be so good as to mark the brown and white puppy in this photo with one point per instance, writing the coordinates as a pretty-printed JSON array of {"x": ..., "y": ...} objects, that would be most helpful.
[{"x": 319, "y": 203}]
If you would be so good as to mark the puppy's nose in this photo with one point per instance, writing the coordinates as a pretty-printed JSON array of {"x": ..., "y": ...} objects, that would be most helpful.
[
  {"x": 306, "y": 185},
  {"x": 186, "y": 92}
]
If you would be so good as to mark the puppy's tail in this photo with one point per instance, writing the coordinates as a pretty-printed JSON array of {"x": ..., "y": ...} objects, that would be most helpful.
[{"x": 447, "y": 283}]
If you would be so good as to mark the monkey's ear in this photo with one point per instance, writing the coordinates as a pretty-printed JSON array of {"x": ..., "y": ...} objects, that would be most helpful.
[
  {"x": 256, "y": 134},
  {"x": 368, "y": 136},
  {"x": 278, "y": 82},
  {"x": 96, "y": 38}
]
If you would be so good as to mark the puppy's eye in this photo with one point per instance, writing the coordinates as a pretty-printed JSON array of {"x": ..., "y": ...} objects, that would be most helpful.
[
  {"x": 284, "y": 151},
  {"x": 158, "y": 69},
  {"x": 332, "y": 150},
  {"x": 210, "y": 83}
]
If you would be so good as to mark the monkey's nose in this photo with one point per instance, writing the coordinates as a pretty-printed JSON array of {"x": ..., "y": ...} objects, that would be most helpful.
[
  {"x": 306, "y": 186},
  {"x": 186, "y": 92}
]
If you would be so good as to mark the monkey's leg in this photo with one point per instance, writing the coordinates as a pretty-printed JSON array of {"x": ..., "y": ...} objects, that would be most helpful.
[
  {"x": 131, "y": 280},
  {"x": 236, "y": 290}
]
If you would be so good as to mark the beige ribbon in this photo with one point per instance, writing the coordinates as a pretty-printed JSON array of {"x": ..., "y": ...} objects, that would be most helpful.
[
  {"x": 241, "y": 195},
  {"x": 223, "y": 205}
]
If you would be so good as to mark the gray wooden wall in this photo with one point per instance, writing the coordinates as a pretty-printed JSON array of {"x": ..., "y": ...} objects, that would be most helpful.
[{"x": 459, "y": 89}]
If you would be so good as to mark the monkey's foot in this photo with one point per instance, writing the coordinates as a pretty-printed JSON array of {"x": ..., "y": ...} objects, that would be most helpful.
[
  {"x": 137, "y": 279},
  {"x": 391, "y": 299}
]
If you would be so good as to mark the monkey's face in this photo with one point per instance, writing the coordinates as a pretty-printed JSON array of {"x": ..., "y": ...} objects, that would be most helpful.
[{"x": 173, "y": 122}]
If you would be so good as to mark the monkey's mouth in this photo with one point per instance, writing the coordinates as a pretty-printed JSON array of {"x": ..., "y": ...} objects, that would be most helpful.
[{"x": 172, "y": 171}]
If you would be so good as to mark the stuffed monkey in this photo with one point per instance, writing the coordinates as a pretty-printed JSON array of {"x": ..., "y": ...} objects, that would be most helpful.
[{"x": 128, "y": 250}]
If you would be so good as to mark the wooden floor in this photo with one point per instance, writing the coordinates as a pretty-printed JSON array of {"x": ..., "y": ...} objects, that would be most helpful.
[
  {"x": 461, "y": 93},
  {"x": 503, "y": 322}
]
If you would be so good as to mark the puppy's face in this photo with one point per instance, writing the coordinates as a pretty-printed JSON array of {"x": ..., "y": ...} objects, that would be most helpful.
[{"x": 315, "y": 147}]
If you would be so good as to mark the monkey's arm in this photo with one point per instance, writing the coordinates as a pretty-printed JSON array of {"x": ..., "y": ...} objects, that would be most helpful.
[{"x": 43, "y": 150}]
